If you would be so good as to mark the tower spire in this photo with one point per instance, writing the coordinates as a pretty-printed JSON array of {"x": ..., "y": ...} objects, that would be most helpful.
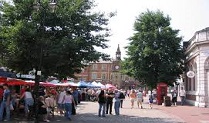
[{"x": 118, "y": 53}]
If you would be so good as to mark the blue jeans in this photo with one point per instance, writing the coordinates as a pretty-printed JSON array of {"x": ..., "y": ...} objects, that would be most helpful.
[
  {"x": 68, "y": 110},
  {"x": 28, "y": 102},
  {"x": 182, "y": 100},
  {"x": 61, "y": 106},
  {"x": 102, "y": 109},
  {"x": 117, "y": 107},
  {"x": 7, "y": 107}
]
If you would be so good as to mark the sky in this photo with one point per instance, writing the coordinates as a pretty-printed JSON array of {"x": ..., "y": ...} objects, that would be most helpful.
[{"x": 188, "y": 16}]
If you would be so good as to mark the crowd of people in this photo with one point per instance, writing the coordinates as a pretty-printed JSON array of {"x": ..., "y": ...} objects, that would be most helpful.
[
  {"x": 63, "y": 100},
  {"x": 106, "y": 99},
  {"x": 60, "y": 99}
]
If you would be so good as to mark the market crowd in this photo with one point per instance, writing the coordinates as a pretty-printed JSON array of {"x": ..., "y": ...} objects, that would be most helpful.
[
  {"x": 62, "y": 101},
  {"x": 13, "y": 101}
]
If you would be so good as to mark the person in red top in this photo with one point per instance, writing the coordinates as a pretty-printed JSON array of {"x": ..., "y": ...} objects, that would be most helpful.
[
  {"x": 22, "y": 91},
  {"x": 1, "y": 93},
  {"x": 53, "y": 91}
]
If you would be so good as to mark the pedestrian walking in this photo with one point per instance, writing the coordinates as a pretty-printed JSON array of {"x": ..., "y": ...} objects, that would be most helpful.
[
  {"x": 174, "y": 97},
  {"x": 75, "y": 95},
  {"x": 43, "y": 109},
  {"x": 132, "y": 98},
  {"x": 67, "y": 101},
  {"x": 151, "y": 98},
  {"x": 61, "y": 95},
  {"x": 29, "y": 101},
  {"x": 110, "y": 95},
  {"x": 121, "y": 97},
  {"x": 117, "y": 102},
  {"x": 182, "y": 94},
  {"x": 102, "y": 103},
  {"x": 139, "y": 98},
  {"x": 1, "y": 94},
  {"x": 5, "y": 104}
]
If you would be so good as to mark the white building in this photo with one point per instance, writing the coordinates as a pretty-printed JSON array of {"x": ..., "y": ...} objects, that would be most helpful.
[{"x": 197, "y": 60}]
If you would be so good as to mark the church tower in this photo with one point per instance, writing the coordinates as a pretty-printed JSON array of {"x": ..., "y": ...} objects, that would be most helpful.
[{"x": 118, "y": 54}]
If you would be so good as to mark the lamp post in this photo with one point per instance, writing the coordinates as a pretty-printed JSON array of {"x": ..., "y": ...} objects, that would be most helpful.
[
  {"x": 37, "y": 71},
  {"x": 38, "y": 68}
]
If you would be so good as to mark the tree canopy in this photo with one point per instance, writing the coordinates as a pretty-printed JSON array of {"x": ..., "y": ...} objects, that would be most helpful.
[
  {"x": 154, "y": 53},
  {"x": 58, "y": 39}
]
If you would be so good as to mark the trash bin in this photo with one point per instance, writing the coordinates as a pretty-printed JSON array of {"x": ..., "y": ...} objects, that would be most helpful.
[{"x": 167, "y": 101}]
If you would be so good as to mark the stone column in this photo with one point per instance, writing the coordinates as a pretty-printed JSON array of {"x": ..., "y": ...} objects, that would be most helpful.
[{"x": 202, "y": 89}]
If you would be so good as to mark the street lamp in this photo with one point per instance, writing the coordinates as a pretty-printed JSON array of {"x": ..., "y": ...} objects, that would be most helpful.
[{"x": 38, "y": 6}]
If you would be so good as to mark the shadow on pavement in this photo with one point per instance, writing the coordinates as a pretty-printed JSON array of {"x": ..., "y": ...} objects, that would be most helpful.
[{"x": 93, "y": 118}]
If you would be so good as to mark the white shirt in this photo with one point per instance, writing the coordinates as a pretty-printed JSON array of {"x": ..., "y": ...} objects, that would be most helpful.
[
  {"x": 61, "y": 96},
  {"x": 68, "y": 99},
  {"x": 116, "y": 99},
  {"x": 28, "y": 95},
  {"x": 139, "y": 95},
  {"x": 182, "y": 93}
]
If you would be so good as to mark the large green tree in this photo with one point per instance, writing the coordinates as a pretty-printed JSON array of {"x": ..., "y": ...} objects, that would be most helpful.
[
  {"x": 58, "y": 39},
  {"x": 155, "y": 53},
  {"x": 2, "y": 47}
]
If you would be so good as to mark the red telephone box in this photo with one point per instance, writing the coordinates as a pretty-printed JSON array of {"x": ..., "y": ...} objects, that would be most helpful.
[{"x": 161, "y": 92}]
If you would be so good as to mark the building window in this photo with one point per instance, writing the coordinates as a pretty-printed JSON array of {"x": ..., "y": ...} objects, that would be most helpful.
[
  {"x": 194, "y": 84},
  {"x": 116, "y": 76},
  {"x": 195, "y": 77},
  {"x": 94, "y": 67},
  {"x": 103, "y": 76},
  {"x": 189, "y": 85},
  {"x": 94, "y": 76},
  {"x": 104, "y": 67}
]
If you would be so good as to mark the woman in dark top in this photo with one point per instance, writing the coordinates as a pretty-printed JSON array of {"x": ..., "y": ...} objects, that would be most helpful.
[
  {"x": 43, "y": 108},
  {"x": 110, "y": 95},
  {"x": 102, "y": 103}
]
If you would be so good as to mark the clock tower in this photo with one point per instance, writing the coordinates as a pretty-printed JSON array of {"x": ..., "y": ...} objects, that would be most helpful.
[
  {"x": 118, "y": 54},
  {"x": 116, "y": 62},
  {"x": 115, "y": 74}
]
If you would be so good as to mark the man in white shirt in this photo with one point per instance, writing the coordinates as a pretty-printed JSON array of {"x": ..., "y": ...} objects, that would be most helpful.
[
  {"x": 182, "y": 94},
  {"x": 60, "y": 99},
  {"x": 139, "y": 97}
]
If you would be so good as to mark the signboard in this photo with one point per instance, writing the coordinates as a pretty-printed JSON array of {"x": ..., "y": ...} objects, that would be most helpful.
[
  {"x": 190, "y": 74},
  {"x": 25, "y": 76}
]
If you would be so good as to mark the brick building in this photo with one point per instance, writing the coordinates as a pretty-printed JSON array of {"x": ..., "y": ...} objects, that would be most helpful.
[{"x": 107, "y": 72}]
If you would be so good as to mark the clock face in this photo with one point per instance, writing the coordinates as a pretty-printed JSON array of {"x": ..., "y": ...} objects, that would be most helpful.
[{"x": 116, "y": 67}]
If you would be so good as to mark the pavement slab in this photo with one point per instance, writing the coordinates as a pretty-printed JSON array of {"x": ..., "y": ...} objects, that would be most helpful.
[{"x": 87, "y": 112}]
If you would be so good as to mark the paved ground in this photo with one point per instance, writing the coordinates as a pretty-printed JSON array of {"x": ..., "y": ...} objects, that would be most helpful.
[
  {"x": 87, "y": 113},
  {"x": 190, "y": 114}
]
